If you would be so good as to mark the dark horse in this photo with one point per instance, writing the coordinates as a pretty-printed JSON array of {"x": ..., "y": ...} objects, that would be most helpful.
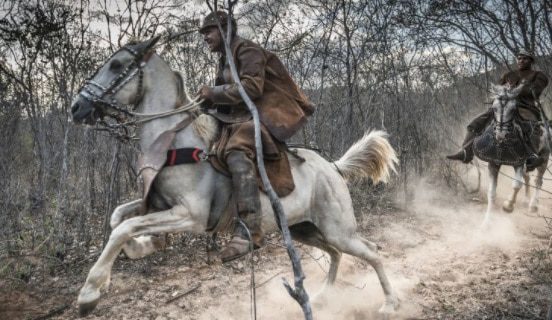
[{"x": 502, "y": 143}]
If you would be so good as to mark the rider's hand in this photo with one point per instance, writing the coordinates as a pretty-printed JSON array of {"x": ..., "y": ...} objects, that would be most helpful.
[{"x": 205, "y": 93}]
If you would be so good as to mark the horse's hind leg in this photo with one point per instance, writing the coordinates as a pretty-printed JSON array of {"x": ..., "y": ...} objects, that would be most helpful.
[
  {"x": 534, "y": 203},
  {"x": 373, "y": 246},
  {"x": 142, "y": 246},
  {"x": 517, "y": 183},
  {"x": 309, "y": 234},
  {"x": 356, "y": 246}
]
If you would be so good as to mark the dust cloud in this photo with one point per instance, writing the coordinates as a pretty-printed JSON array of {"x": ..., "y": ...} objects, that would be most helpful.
[{"x": 437, "y": 239}]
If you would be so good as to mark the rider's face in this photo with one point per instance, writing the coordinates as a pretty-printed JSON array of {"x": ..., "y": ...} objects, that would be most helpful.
[
  {"x": 524, "y": 62},
  {"x": 213, "y": 39}
]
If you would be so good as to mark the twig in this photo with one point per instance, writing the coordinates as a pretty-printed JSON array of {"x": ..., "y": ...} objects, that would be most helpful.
[
  {"x": 54, "y": 312},
  {"x": 268, "y": 280},
  {"x": 298, "y": 293},
  {"x": 178, "y": 296}
]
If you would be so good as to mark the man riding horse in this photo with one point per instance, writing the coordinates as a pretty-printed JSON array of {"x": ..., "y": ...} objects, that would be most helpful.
[
  {"x": 282, "y": 107},
  {"x": 534, "y": 82}
]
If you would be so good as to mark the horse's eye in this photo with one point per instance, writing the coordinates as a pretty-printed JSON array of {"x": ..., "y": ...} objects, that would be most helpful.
[{"x": 115, "y": 65}]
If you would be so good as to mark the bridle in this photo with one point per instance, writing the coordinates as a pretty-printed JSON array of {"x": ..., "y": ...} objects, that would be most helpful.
[
  {"x": 500, "y": 124},
  {"x": 96, "y": 92}
]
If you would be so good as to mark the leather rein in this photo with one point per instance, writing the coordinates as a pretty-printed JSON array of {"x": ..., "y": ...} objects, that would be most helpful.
[
  {"x": 96, "y": 92},
  {"x": 504, "y": 125}
]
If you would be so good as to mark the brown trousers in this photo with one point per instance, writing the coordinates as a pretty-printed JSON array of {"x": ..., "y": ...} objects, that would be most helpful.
[{"x": 241, "y": 137}]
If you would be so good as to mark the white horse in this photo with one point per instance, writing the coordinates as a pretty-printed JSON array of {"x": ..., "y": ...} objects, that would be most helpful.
[
  {"x": 502, "y": 144},
  {"x": 184, "y": 198}
]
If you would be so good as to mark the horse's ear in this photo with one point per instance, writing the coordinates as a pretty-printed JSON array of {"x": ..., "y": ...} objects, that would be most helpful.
[
  {"x": 495, "y": 89},
  {"x": 152, "y": 42},
  {"x": 144, "y": 46}
]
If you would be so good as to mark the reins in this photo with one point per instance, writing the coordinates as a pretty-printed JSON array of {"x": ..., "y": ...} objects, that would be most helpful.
[{"x": 194, "y": 103}]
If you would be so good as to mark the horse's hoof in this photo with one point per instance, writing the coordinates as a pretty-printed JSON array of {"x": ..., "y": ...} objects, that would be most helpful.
[
  {"x": 390, "y": 306},
  {"x": 485, "y": 226},
  {"x": 508, "y": 207},
  {"x": 88, "y": 302},
  {"x": 320, "y": 298},
  {"x": 534, "y": 208}
]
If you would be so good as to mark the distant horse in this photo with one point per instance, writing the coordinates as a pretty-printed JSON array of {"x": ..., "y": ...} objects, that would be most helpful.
[
  {"x": 188, "y": 197},
  {"x": 502, "y": 143}
]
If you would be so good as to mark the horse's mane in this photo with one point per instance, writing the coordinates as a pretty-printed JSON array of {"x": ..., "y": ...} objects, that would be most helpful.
[
  {"x": 183, "y": 92},
  {"x": 206, "y": 127},
  {"x": 499, "y": 91}
]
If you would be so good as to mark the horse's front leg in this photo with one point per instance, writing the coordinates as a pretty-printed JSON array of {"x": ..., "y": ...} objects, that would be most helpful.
[
  {"x": 534, "y": 203},
  {"x": 517, "y": 183},
  {"x": 142, "y": 246},
  {"x": 124, "y": 211},
  {"x": 177, "y": 219},
  {"x": 527, "y": 181},
  {"x": 491, "y": 192}
]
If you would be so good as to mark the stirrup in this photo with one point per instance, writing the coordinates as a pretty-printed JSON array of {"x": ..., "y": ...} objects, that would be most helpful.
[{"x": 235, "y": 249}]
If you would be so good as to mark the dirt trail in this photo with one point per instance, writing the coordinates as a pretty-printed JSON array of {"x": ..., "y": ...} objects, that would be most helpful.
[{"x": 442, "y": 265}]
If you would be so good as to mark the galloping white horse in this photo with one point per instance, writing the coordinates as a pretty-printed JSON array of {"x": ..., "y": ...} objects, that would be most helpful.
[
  {"x": 183, "y": 198},
  {"x": 501, "y": 143}
]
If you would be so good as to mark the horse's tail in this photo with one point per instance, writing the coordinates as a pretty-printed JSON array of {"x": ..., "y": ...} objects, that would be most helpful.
[{"x": 372, "y": 156}]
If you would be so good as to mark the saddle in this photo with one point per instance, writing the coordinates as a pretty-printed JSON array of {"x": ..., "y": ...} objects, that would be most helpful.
[
  {"x": 160, "y": 154},
  {"x": 514, "y": 150}
]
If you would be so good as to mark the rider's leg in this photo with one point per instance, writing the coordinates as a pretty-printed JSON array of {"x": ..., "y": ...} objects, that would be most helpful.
[
  {"x": 534, "y": 159},
  {"x": 475, "y": 127},
  {"x": 246, "y": 192},
  {"x": 466, "y": 153}
]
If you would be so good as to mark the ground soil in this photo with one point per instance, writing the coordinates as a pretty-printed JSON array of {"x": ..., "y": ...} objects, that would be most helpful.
[{"x": 439, "y": 260}]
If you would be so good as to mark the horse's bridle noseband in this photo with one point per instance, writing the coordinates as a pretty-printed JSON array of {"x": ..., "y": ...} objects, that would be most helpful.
[
  {"x": 500, "y": 124},
  {"x": 131, "y": 70}
]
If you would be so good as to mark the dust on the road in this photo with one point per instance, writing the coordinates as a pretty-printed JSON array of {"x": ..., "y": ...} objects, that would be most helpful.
[{"x": 438, "y": 258}]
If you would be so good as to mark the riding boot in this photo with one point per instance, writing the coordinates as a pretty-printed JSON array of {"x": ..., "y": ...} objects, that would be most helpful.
[
  {"x": 246, "y": 193},
  {"x": 466, "y": 154},
  {"x": 475, "y": 127},
  {"x": 533, "y": 160}
]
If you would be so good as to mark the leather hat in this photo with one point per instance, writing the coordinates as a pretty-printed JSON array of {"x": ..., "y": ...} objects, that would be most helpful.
[
  {"x": 524, "y": 53},
  {"x": 211, "y": 21}
]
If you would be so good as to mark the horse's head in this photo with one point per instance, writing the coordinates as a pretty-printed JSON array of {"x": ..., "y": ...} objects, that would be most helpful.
[
  {"x": 115, "y": 85},
  {"x": 504, "y": 107}
]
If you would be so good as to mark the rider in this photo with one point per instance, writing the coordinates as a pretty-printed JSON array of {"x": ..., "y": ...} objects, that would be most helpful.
[
  {"x": 534, "y": 83},
  {"x": 283, "y": 109}
]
